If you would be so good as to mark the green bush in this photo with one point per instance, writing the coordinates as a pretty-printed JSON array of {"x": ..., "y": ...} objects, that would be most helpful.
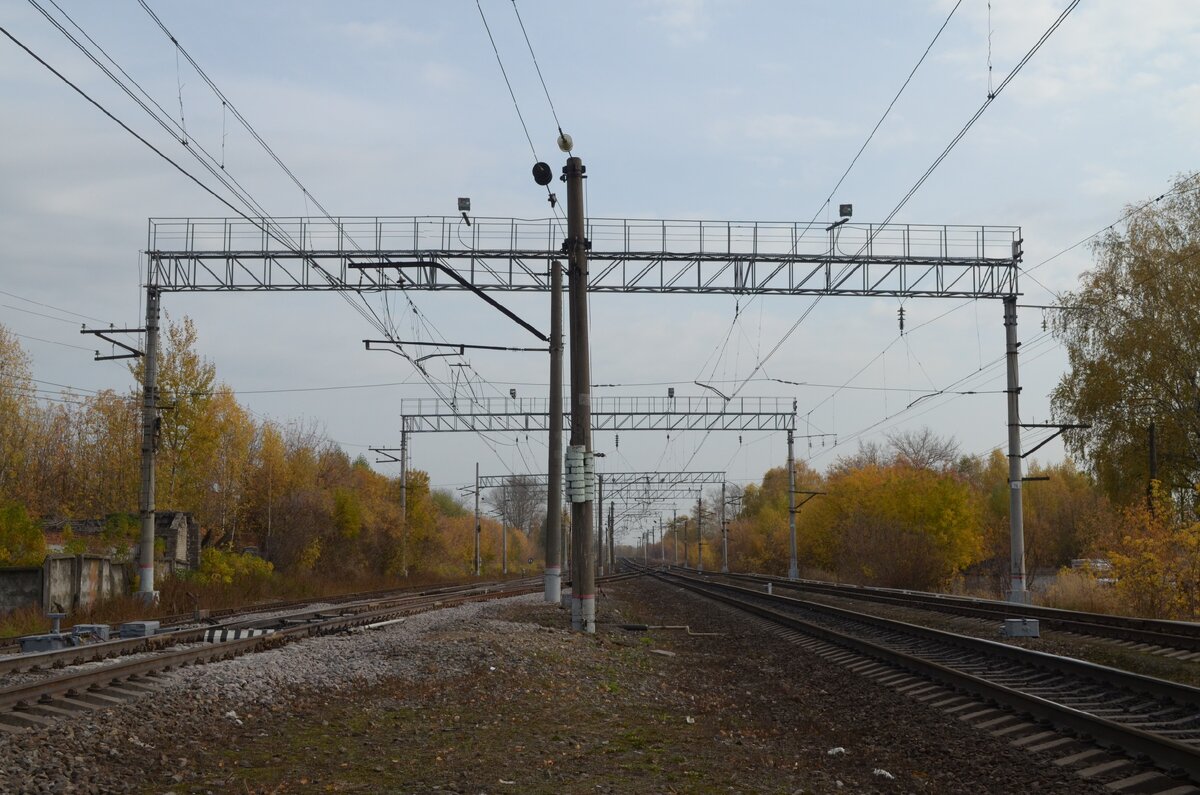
[
  {"x": 220, "y": 567},
  {"x": 22, "y": 542}
]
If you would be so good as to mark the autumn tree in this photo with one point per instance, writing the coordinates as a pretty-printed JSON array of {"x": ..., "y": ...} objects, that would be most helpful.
[
  {"x": 22, "y": 542},
  {"x": 922, "y": 448},
  {"x": 1132, "y": 336},
  {"x": 760, "y": 538},
  {"x": 18, "y": 410},
  {"x": 520, "y": 501},
  {"x": 900, "y": 526},
  {"x": 186, "y": 434}
]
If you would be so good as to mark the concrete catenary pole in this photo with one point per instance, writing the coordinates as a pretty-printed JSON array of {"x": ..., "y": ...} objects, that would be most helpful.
[
  {"x": 675, "y": 536},
  {"x": 600, "y": 524},
  {"x": 1017, "y": 592},
  {"x": 404, "y": 469},
  {"x": 504, "y": 529},
  {"x": 700, "y": 532},
  {"x": 612, "y": 560},
  {"x": 794, "y": 566},
  {"x": 583, "y": 573},
  {"x": 687, "y": 558},
  {"x": 724, "y": 534},
  {"x": 554, "y": 551},
  {"x": 661, "y": 554},
  {"x": 478, "y": 529},
  {"x": 149, "y": 447}
]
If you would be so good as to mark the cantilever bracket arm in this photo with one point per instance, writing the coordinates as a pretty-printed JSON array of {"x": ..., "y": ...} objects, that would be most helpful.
[
  {"x": 102, "y": 333},
  {"x": 454, "y": 275},
  {"x": 459, "y": 347},
  {"x": 1061, "y": 427},
  {"x": 809, "y": 496},
  {"x": 387, "y": 451}
]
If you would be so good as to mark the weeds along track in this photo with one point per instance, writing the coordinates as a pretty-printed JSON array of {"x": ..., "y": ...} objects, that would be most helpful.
[
  {"x": 93, "y": 677},
  {"x": 1138, "y": 733},
  {"x": 1155, "y": 634}
]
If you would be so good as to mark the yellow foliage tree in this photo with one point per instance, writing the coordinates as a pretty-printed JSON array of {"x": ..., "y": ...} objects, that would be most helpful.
[{"x": 900, "y": 526}]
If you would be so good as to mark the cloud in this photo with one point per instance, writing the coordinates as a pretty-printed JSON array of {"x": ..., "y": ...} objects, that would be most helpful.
[
  {"x": 684, "y": 21},
  {"x": 381, "y": 34},
  {"x": 777, "y": 129}
]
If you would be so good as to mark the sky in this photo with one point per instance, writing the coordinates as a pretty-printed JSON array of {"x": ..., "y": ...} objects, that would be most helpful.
[{"x": 680, "y": 109}]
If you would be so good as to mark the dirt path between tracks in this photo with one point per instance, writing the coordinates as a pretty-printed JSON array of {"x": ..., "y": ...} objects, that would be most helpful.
[{"x": 508, "y": 701}]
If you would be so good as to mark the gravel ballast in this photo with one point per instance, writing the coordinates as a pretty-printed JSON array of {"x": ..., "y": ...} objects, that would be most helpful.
[{"x": 499, "y": 697}]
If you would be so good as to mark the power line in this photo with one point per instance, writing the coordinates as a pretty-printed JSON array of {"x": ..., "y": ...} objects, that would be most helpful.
[
  {"x": 51, "y": 342},
  {"x": 857, "y": 155},
  {"x": 517, "y": 106},
  {"x": 553, "y": 112},
  {"x": 920, "y": 181},
  {"x": 366, "y": 311},
  {"x": 48, "y": 306}
]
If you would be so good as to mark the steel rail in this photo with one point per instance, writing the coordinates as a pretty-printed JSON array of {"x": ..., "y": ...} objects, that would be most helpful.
[
  {"x": 1160, "y": 632},
  {"x": 91, "y": 652},
  {"x": 44, "y": 689},
  {"x": 1171, "y": 754}
]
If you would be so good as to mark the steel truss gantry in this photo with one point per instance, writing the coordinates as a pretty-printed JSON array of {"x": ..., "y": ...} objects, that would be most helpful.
[
  {"x": 619, "y": 479},
  {"x": 487, "y": 415},
  {"x": 438, "y": 253},
  {"x": 626, "y": 256},
  {"x": 627, "y": 488}
]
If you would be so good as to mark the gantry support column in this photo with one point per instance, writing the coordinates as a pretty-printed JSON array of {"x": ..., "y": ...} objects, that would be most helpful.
[
  {"x": 149, "y": 448},
  {"x": 478, "y": 529},
  {"x": 794, "y": 566},
  {"x": 1017, "y": 591},
  {"x": 554, "y": 478}
]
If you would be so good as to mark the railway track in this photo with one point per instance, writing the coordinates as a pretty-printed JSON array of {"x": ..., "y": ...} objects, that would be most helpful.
[
  {"x": 1134, "y": 732},
  {"x": 45, "y": 699},
  {"x": 1153, "y": 634},
  {"x": 235, "y": 618},
  {"x": 225, "y": 616}
]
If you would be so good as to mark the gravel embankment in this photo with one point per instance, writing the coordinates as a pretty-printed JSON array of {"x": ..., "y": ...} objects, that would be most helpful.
[{"x": 498, "y": 697}]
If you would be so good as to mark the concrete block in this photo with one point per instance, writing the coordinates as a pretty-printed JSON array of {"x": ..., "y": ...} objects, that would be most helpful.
[
  {"x": 1020, "y": 628},
  {"x": 139, "y": 629},
  {"x": 49, "y": 642}
]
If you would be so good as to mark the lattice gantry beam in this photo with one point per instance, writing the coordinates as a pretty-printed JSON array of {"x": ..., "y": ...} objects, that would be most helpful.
[
  {"x": 615, "y": 479},
  {"x": 504, "y": 415},
  {"x": 627, "y": 256}
]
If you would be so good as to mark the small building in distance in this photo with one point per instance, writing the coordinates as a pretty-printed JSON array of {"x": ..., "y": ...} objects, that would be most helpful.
[{"x": 177, "y": 536}]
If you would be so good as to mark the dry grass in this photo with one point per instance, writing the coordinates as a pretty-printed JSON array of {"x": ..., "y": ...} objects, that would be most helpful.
[
  {"x": 1075, "y": 589},
  {"x": 23, "y": 621}
]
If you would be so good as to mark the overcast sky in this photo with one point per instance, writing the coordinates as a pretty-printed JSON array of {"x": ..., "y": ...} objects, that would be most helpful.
[{"x": 681, "y": 109}]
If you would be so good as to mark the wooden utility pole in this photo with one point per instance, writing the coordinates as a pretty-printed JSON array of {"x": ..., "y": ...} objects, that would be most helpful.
[
  {"x": 583, "y": 575},
  {"x": 554, "y": 478}
]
